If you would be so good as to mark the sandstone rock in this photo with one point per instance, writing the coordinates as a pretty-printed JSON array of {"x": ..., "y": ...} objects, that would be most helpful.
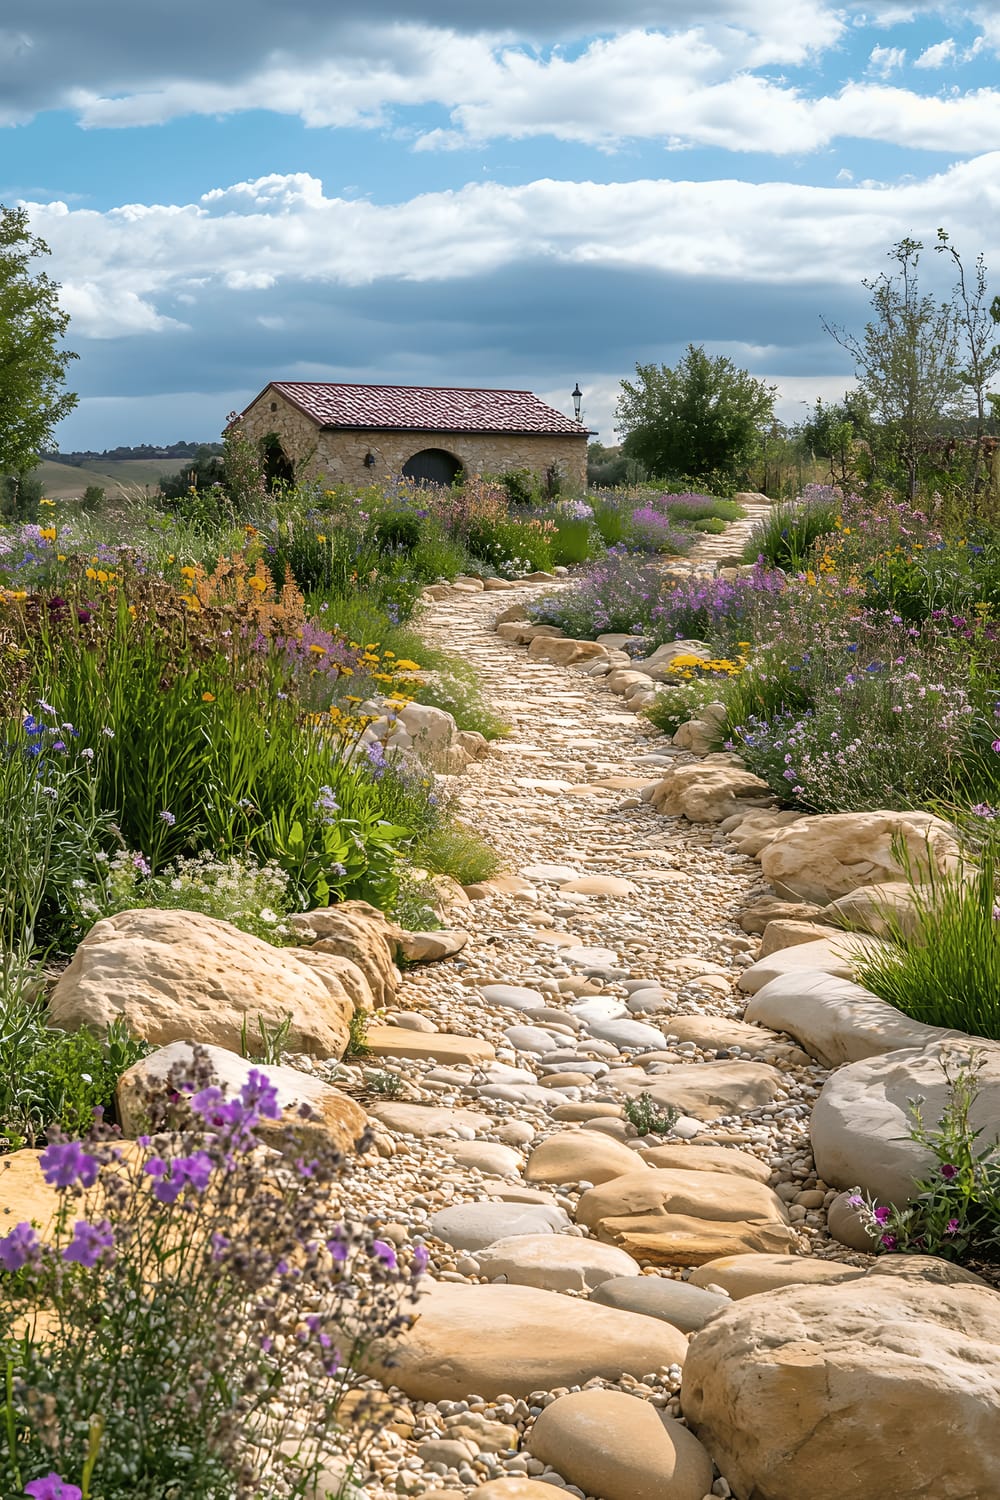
[
  {"x": 178, "y": 975},
  {"x": 836, "y": 1020},
  {"x": 600, "y": 885},
  {"x": 334, "y": 1114},
  {"x": 505, "y": 1489},
  {"x": 782, "y": 933},
  {"x": 353, "y": 979},
  {"x": 428, "y": 1120},
  {"x": 431, "y": 947},
  {"x": 359, "y": 932},
  {"x": 25, "y": 1196},
  {"x": 755, "y": 831},
  {"x": 488, "y": 1156},
  {"x": 847, "y": 1227},
  {"x": 720, "y": 1032},
  {"x": 823, "y": 857},
  {"x": 700, "y": 736},
  {"x": 925, "y": 1268},
  {"x": 617, "y": 1446},
  {"x": 844, "y": 1392},
  {"x": 690, "y": 1158},
  {"x": 755, "y": 918},
  {"x": 833, "y": 954},
  {"x": 473, "y": 1226},
  {"x": 710, "y": 791},
  {"x": 400, "y": 1041},
  {"x": 554, "y": 1262},
  {"x": 672, "y": 1217},
  {"x": 746, "y": 1275},
  {"x": 515, "y": 1340},
  {"x": 676, "y": 1302},
  {"x": 860, "y": 1123},
  {"x": 708, "y": 1090},
  {"x": 565, "y": 653},
  {"x": 579, "y": 1156},
  {"x": 884, "y": 910},
  {"x": 511, "y": 613}
]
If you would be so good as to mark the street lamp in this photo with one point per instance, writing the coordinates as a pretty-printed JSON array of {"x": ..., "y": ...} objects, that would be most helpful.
[{"x": 577, "y": 398}]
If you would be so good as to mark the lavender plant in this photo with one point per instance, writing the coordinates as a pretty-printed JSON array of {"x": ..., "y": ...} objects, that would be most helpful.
[{"x": 190, "y": 1320}]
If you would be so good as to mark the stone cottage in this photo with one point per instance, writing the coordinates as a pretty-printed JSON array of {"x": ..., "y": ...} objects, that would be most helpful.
[{"x": 313, "y": 429}]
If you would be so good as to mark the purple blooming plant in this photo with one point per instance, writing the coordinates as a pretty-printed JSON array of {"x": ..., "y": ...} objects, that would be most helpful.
[{"x": 224, "y": 1271}]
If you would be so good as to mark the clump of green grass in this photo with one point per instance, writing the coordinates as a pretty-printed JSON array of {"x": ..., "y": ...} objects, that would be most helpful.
[
  {"x": 452, "y": 849},
  {"x": 944, "y": 969},
  {"x": 786, "y": 535}
]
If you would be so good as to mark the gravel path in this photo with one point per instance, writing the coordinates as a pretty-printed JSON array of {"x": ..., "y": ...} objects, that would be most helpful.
[{"x": 649, "y": 937}]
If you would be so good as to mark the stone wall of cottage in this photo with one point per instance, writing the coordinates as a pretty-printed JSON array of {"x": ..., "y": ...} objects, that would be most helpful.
[{"x": 340, "y": 456}]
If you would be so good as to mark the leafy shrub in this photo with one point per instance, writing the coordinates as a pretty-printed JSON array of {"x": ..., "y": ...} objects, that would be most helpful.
[
  {"x": 50, "y": 1077},
  {"x": 648, "y": 1117},
  {"x": 678, "y": 702},
  {"x": 221, "y": 1272},
  {"x": 616, "y": 594}
]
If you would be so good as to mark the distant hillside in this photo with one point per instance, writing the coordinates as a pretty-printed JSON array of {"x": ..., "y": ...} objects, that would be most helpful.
[
  {"x": 65, "y": 481},
  {"x": 91, "y": 458}
]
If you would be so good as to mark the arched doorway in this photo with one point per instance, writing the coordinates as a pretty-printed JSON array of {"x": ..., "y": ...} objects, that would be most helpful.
[
  {"x": 432, "y": 466},
  {"x": 278, "y": 467}
]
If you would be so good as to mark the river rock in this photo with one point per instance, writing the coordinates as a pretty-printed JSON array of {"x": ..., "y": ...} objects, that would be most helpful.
[
  {"x": 515, "y": 1340},
  {"x": 182, "y": 976},
  {"x": 621, "y": 1448},
  {"x": 871, "y": 1387},
  {"x": 554, "y": 1262},
  {"x": 836, "y": 1020},
  {"x": 676, "y": 1302},
  {"x": 473, "y": 1226},
  {"x": 579, "y": 1156},
  {"x": 357, "y": 931}
]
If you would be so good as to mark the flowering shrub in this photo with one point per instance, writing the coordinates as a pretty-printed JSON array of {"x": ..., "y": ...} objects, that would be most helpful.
[
  {"x": 786, "y": 536},
  {"x": 955, "y": 1212},
  {"x": 616, "y": 594},
  {"x": 190, "y": 1320}
]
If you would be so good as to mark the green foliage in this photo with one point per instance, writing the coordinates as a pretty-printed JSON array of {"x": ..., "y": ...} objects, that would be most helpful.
[
  {"x": 357, "y": 1032},
  {"x": 648, "y": 1117},
  {"x": 32, "y": 359},
  {"x": 51, "y": 1077},
  {"x": 787, "y": 534},
  {"x": 702, "y": 418},
  {"x": 20, "y": 497},
  {"x": 945, "y": 968},
  {"x": 452, "y": 849},
  {"x": 268, "y": 1043},
  {"x": 573, "y": 541},
  {"x": 676, "y": 703}
]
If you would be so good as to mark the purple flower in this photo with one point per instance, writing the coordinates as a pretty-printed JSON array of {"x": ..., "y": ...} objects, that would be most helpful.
[
  {"x": 174, "y": 1176},
  {"x": 18, "y": 1247},
  {"x": 948, "y": 1171},
  {"x": 384, "y": 1254},
  {"x": 168, "y": 818},
  {"x": 52, "y": 1487},
  {"x": 951, "y": 1227},
  {"x": 91, "y": 1243},
  {"x": 63, "y": 1166},
  {"x": 882, "y": 1215},
  {"x": 888, "y": 1242},
  {"x": 855, "y": 1200},
  {"x": 421, "y": 1257}
]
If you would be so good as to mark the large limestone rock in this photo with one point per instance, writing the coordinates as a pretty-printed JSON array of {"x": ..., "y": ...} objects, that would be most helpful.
[
  {"x": 621, "y": 1448},
  {"x": 334, "y": 1115},
  {"x": 515, "y": 1340},
  {"x": 431, "y": 735},
  {"x": 683, "y": 1156},
  {"x": 708, "y": 1090},
  {"x": 861, "y": 1120},
  {"x": 884, "y": 910},
  {"x": 711, "y": 791},
  {"x": 554, "y": 1262},
  {"x": 181, "y": 976},
  {"x": 566, "y": 653},
  {"x": 824, "y": 857},
  {"x": 579, "y": 1156},
  {"x": 442, "y": 1046},
  {"x": 359, "y": 932},
  {"x": 873, "y": 1387},
  {"x": 836, "y": 1020},
  {"x": 671, "y": 1217},
  {"x": 25, "y": 1196}
]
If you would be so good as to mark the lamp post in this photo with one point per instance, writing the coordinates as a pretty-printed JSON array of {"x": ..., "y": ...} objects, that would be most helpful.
[{"x": 577, "y": 398}]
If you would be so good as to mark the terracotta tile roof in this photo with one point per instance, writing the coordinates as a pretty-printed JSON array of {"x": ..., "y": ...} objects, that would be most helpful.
[{"x": 422, "y": 408}]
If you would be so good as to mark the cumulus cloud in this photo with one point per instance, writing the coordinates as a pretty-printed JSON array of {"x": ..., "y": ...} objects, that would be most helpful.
[
  {"x": 938, "y": 55},
  {"x": 884, "y": 61}
]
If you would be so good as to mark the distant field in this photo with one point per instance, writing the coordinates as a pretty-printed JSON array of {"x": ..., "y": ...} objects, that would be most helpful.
[{"x": 66, "y": 482}]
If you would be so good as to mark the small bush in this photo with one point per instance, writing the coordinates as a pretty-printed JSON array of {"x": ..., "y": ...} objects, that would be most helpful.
[
  {"x": 678, "y": 702},
  {"x": 787, "y": 534},
  {"x": 452, "y": 849}
]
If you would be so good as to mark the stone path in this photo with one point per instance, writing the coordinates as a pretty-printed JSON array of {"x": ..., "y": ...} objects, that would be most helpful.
[{"x": 601, "y": 969}]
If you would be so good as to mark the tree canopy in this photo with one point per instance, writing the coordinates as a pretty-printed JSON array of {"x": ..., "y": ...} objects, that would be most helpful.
[
  {"x": 32, "y": 359},
  {"x": 702, "y": 419}
]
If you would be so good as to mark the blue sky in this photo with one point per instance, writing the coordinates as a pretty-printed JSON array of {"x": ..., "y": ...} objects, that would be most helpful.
[{"x": 452, "y": 193}]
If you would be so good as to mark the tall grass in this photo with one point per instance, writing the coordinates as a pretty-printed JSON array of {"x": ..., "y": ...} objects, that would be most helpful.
[
  {"x": 945, "y": 971},
  {"x": 786, "y": 535}
]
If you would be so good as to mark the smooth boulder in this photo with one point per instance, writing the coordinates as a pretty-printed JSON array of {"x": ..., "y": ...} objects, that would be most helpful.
[
  {"x": 554, "y": 1262},
  {"x": 834, "y": 1019},
  {"x": 579, "y": 1156},
  {"x": 825, "y": 857},
  {"x": 617, "y": 1446}
]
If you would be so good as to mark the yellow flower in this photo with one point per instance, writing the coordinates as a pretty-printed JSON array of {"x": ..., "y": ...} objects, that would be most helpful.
[
  {"x": 318, "y": 650},
  {"x": 47, "y": 533},
  {"x": 403, "y": 665},
  {"x": 60, "y": 557},
  {"x": 91, "y": 573},
  {"x": 208, "y": 697},
  {"x": 188, "y": 572},
  {"x": 47, "y": 502},
  {"x": 320, "y": 537},
  {"x": 259, "y": 584}
]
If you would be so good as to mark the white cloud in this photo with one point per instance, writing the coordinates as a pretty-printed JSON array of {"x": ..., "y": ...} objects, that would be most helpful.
[
  {"x": 884, "y": 61},
  {"x": 938, "y": 55}
]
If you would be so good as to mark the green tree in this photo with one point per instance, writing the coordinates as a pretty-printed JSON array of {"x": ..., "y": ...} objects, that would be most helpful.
[
  {"x": 32, "y": 359},
  {"x": 703, "y": 419},
  {"x": 907, "y": 362},
  {"x": 977, "y": 328}
]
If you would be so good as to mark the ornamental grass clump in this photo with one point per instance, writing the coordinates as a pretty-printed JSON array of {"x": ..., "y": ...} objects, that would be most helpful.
[
  {"x": 188, "y": 1323},
  {"x": 944, "y": 967},
  {"x": 786, "y": 536}
]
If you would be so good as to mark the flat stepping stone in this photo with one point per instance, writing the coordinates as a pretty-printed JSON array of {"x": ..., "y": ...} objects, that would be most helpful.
[
  {"x": 555, "y": 1262},
  {"x": 719, "y": 1032},
  {"x": 679, "y": 1303},
  {"x": 532, "y": 1039},
  {"x": 473, "y": 1226},
  {"x": 584, "y": 957},
  {"x": 609, "y": 1444},
  {"x": 599, "y": 885},
  {"x": 488, "y": 1156},
  {"x": 549, "y": 874},
  {"x": 638, "y": 1035},
  {"x": 513, "y": 1340},
  {"x": 707, "y": 1159},
  {"x": 710, "y": 1089},
  {"x": 580, "y": 1156},
  {"x": 746, "y": 1275},
  {"x": 512, "y": 996},
  {"x": 431, "y": 1119},
  {"x": 442, "y": 1046},
  {"x": 670, "y": 1217}
]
